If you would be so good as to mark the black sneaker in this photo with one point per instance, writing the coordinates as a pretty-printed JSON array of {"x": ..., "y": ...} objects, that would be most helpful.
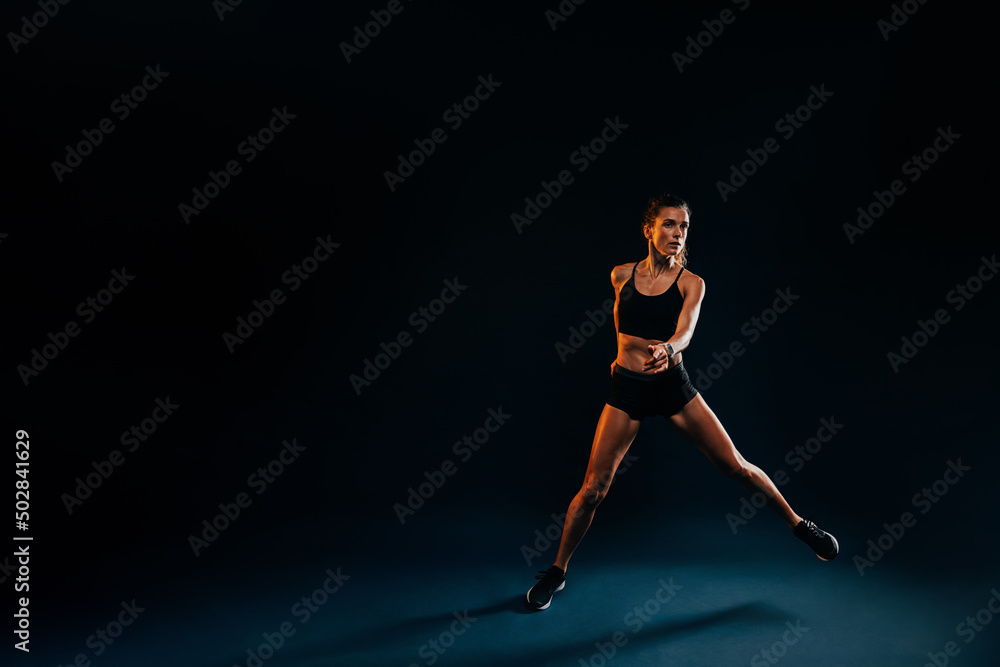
[
  {"x": 823, "y": 543},
  {"x": 540, "y": 595}
]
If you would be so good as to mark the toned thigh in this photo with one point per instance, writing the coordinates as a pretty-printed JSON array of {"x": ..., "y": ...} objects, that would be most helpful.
[
  {"x": 615, "y": 433},
  {"x": 697, "y": 424}
]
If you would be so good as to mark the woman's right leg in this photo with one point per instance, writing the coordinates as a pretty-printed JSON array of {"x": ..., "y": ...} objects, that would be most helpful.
[{"x": 615, "y": 433}]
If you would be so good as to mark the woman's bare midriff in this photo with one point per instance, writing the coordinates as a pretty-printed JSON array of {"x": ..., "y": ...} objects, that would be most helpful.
[{"x": 633, "y": 352}]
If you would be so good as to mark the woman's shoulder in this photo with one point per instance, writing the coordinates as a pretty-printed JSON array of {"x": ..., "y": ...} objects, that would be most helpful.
[
  {"x": 690, "y": 276},
  {"x": 690, "y": 283},
  {"x": 621, "y": 273}
]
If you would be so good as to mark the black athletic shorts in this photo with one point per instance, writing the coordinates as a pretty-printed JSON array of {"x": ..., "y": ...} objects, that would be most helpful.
[{"x": 645, "y": 394}]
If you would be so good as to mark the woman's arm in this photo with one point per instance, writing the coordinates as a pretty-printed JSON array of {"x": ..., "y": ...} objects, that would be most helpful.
[
  {"x": 686, "y": 323},
  {"x": 689, "y": 316}
]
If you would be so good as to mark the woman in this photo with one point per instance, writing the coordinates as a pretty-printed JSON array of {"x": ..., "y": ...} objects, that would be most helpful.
[{"x": 655, "y": 322}]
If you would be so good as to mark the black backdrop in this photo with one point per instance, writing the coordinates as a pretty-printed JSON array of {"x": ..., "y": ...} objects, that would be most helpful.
[{"x": 497, "y": 346}]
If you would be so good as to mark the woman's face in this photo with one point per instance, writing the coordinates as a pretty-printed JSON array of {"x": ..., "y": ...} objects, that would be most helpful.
[{"x": 669, "y": 231}]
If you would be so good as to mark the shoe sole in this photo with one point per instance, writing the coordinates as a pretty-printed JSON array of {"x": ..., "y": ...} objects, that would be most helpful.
[
  {"x": 527, "y": 598},
  {"x": 836, "y": 550}
]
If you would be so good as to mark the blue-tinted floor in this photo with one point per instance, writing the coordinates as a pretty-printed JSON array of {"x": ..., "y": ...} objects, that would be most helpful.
[{"x": 449, "y": 592}]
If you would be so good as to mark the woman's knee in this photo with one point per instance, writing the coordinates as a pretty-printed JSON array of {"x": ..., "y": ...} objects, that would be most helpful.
[
  {"x": 594, "y": 490},
  {"x": 739, "y": 471}
]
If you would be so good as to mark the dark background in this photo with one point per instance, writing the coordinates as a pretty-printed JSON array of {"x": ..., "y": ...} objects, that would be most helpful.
[{"x": 496, "y": 344}]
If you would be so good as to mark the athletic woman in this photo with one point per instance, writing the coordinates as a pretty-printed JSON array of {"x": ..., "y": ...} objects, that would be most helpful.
[{"x": 657, "y": 302}]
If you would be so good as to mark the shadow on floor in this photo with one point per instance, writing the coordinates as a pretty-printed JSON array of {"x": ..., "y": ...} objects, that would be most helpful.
[{"x": 384, "y": 644}]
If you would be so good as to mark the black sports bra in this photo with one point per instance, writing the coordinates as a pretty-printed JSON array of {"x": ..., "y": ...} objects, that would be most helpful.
[{"x": 650, "y": 317}]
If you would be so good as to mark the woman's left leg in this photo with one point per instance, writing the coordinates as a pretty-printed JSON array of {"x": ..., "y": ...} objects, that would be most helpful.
[{"x": 697, "y": 424}]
